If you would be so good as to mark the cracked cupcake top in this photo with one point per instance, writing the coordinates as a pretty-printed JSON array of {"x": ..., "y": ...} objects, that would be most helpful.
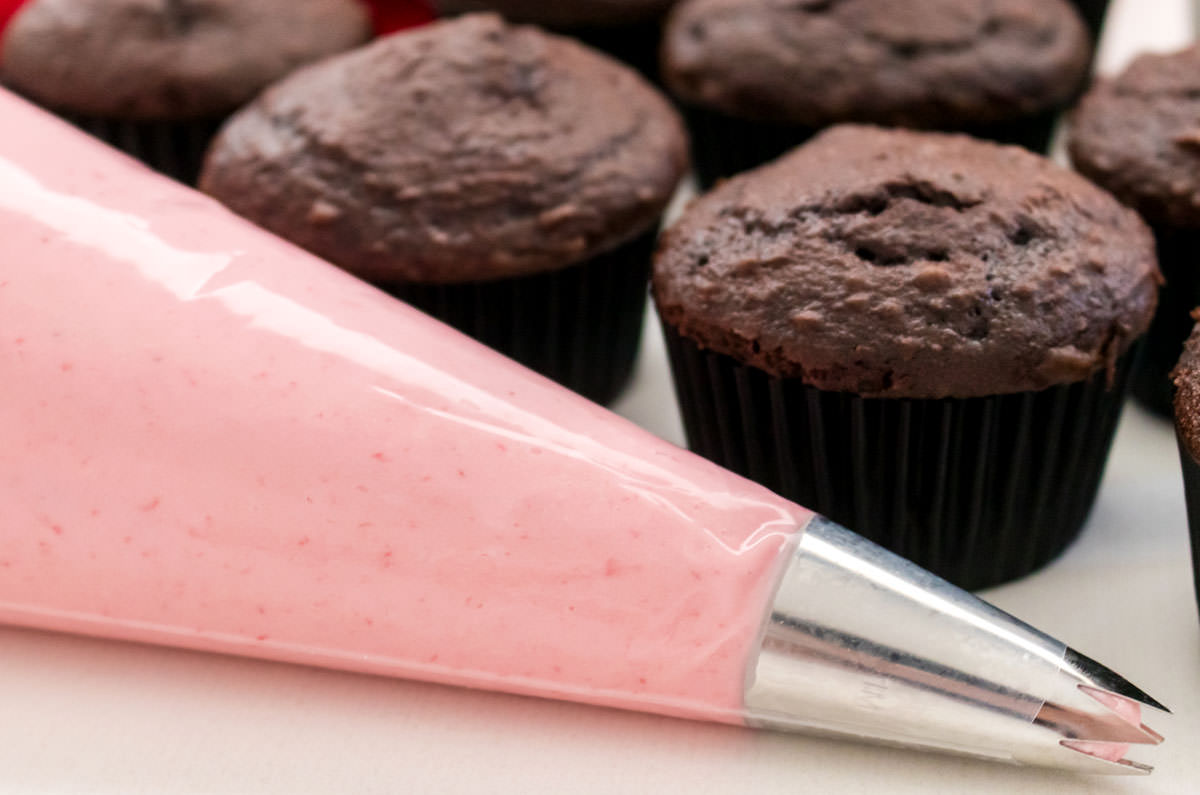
[
  {"x": 936, "y": 63},
  {"x": 1138, "y": 135},
  {"x": 901, "y": 264},
  {"x": 169, "y": 59},
  {"x": 465, "y": 150}
]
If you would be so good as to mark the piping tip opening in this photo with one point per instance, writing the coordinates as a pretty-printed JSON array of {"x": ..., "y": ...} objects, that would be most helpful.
[{"x": 1107, "y": 757}]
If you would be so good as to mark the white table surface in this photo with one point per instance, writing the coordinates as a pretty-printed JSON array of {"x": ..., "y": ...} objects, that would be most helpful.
[{"x": 80, "y": 715}]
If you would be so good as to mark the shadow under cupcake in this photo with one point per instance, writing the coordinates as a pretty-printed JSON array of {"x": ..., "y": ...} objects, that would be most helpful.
[
  {"x": 157, "y": 79},
  {"x": 507, "y": 181},
  {"x": 925, "y": 337}
]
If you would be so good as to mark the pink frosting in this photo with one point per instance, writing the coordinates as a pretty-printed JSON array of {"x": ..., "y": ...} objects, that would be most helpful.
[
  {"x": 214, "y": 440},
  {"x": 1125, "y": 709}
]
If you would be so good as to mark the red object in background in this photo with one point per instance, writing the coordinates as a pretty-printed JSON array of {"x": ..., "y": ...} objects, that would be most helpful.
[
  {"x": 389, "y": 16},
  {"x": 8, "y": 9}
]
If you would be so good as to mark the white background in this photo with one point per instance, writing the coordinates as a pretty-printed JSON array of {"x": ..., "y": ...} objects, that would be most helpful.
[{"x": 79, "y": 715}]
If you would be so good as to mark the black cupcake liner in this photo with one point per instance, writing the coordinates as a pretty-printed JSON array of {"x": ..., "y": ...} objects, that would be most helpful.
[
  {"x": 979, "y": 491},
  {"x": 1177, "y": 253},
  {"x": 636, "y": 45},
  {"x": 579, "y": 326},
  {"x": 176, "y": 149},
  {"x": 1191, "y": 493},
  {"x": 723, "y": 145},
  {"x": 1093, "y": 13}
]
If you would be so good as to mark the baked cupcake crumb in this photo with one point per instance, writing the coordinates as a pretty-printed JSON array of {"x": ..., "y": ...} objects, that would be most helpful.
[{"x": 901, "y": 264}]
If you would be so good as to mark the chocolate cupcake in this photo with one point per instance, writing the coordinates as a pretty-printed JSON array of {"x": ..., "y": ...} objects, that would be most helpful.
[
  {"x": 1187, "y": 429},
  {"x": 1138, "y": 136},
  {"x": 157, "y": 77},
  {"x": 758, "y": 77},
  {"x": 506, "y": 181},
  {"x": 626, "y": 29},
  {"x": 923, "y": 336}
]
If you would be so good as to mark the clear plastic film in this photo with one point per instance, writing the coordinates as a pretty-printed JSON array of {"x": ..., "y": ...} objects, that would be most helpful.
[{"x": 214, "y": 440}]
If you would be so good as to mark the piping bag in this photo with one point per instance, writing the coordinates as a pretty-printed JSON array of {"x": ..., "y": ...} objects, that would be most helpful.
[{"x": 213, "y": 440}]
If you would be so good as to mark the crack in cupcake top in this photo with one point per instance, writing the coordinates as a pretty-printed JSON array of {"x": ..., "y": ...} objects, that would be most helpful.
[
  {"x": 466, "y": 150},
  {"x": 1139, "y": 136},
  {"x": 169, "y": 59},
  {"x": 902, "y": 264},
  {"x": 818, "y": 62}
]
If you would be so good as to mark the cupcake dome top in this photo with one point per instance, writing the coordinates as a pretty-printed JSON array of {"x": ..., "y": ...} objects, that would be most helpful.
[
  {"x": 1138, "y": 135},
  {"x": 1187, "y": 395},
  {"x": 901, "y": 264},
  {"x": 168, "y": 59},
  {"x": 928, "y": 64},
  {"x": 465, "y": 150},
  {"x": 564, "y": 14}
]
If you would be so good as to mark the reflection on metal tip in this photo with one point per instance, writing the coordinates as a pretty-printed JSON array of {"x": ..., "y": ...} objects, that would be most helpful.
[
  {"x": 1107, "y": 679},
  {"x": 1119, "y": 767}
]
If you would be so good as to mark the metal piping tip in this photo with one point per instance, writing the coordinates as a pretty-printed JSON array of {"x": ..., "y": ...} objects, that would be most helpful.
[
  {"x": 1085, "y": 716},
  {"x": 1102, "y": 716},
  {"x": 862, "y": 643},
  {"x": 1098, "y": 726},
  {"x": 1094, "y": 760},
  {"x": 1104, "y": 678}
]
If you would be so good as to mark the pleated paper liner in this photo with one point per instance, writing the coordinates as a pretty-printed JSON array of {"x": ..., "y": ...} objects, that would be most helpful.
[
  {"x": 636, "y": 45},
  {"x": 1191, "y": 493},
  {"x": 980, "y": 491},
  {"x": 579, "y": 326},
  {"x": 1178, "y": 252},
  {"x": 723, "y": 146},
  {"x": 176, "y": 149}
]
